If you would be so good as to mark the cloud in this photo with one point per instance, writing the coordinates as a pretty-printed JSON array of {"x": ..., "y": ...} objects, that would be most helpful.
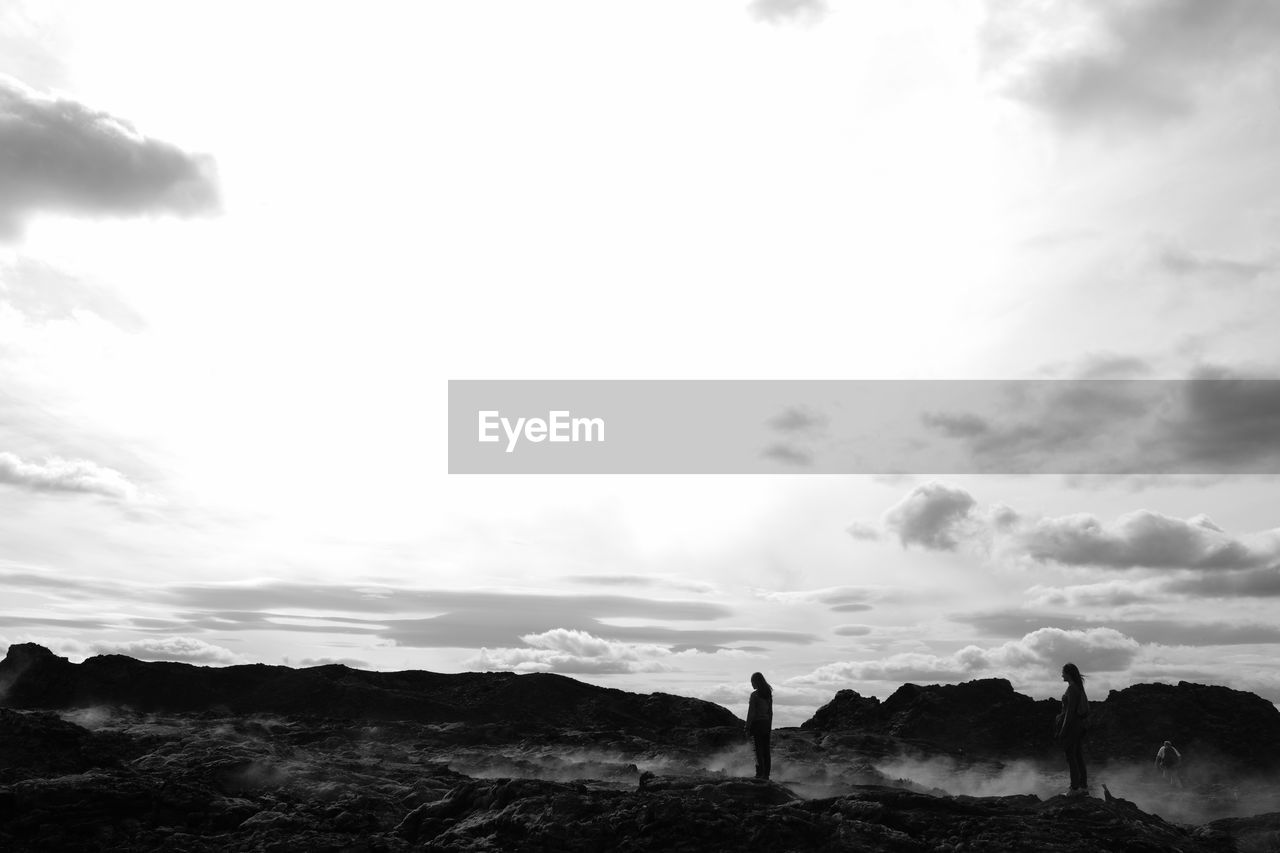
[
  {"x": 353, "y": 663},
  {"x": 1226, "y": 422},
  {"x": 784, "y": 11},
  {"x": 942, "y": 518},
  {"x": 185, "y": 649},
  {"x": 1262, "y": 582},
  {"x": 43, "y": 293},
  {"x": 457, "y": 618},
  {"x": 1115, "y": 593},
  {"x": 1184, "y": 264},
  {"x": 566, "y": 650},
  {"x": 863, "y": 531},
  {"x": 642, "y": 580},
  {"x": 1161, "y": 631},
  {"x": 799, "y": 419},
  {"x": 58, "y": 155},
  {"x": 851, "y": 630},
  {"x": 1094, "y": 649},
  {"x": 1217, "y": 422},
  {"x": 1126, "y": 65},
  {"x": 1139, "y": 539},
  {"x": 55, "y": 474},
  {"x": 837, "y": 598},
  {"x": 933, "y": 515},
  {"x": 788, "y": 454}
]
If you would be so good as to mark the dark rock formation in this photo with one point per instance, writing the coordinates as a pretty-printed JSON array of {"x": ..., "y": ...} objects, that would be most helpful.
[
  {"x": 33, "y": 677},
  {"x": 1215, "y": 727}
]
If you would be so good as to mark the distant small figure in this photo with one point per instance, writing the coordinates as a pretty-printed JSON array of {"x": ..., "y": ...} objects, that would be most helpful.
[
  {"x": 1072, "y": 722},
  {"x": 760, "y": 722},
  {"x": 1169, "y": 762}
]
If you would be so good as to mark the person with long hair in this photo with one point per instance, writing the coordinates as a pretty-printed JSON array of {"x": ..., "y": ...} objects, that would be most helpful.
[
  {"x": 760, "y": 722},
  {"x": 1071, "y": 727}
]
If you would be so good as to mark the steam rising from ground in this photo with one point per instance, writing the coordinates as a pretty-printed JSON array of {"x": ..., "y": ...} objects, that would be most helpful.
[
  {"x": 1202, "y": 797},
  {"x": 324, "y": 761}
]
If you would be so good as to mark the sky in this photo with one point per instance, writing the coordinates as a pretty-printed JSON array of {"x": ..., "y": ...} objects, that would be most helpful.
[{"x": 244, "y": 247}]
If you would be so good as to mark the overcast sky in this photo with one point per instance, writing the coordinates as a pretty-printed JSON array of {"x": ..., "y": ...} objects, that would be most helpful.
[{"x": 243, "y": 246}]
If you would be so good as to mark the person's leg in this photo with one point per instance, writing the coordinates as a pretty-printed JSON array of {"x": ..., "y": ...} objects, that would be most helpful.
[
  {"x": 1082, "y": 771},
  {"x": 761, "y": 739},
  {"x": 1071, "y": 745}
]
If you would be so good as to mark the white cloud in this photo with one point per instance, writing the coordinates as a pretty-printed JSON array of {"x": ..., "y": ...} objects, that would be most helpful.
[
  {"x": 783, "y": 11},
  {"x": 566, "y": 650},
  {"x": 1095, "y": 649},
  {"x": 185, "y": 649},
  {"x": 56, "y": 474}
]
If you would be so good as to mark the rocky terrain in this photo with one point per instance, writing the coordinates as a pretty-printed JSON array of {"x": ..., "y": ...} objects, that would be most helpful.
[{"x": 101, "y": 756}]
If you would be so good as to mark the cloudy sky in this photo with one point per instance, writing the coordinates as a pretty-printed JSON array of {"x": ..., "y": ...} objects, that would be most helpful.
[{"x": 244, "y": 246}]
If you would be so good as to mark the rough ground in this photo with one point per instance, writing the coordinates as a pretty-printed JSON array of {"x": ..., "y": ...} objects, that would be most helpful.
[
  {"x": 210, "y": 783},
  {"x": 173, "y": 757}
]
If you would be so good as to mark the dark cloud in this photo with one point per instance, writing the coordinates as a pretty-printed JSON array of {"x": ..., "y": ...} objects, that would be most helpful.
[
  {"x": 1261, "y": 582},
  {"x": 55, "y": 474},
  {"x": 387, "y": 600},
  {"x": 59, "y": 155},
  {"x": 44, "y": 293},
  {"x": 851, "y": 630},
  {"x": 1215, "y": 423},
  {"x": 1126, "y": 64},
  {"x": 9, "y": 621},
  {"x": 781, "y": 11},
  {"x": 799, "y": 419},
  {"x": 788, "y": 454},
  {"x": 932, "y": 515},
  {"x": 850, "y": 608},
  {"x": 1226, "y": 423},
  {"x": 460, "y": 619}
]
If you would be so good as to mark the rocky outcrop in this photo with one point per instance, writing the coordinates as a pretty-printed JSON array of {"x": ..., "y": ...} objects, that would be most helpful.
[
  {"x": 1216, "y": 728},
  {"x": 32, "y": 677}
]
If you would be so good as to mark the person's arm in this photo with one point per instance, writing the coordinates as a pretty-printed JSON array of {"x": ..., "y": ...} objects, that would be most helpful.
[{"x": 752, "y": 709}]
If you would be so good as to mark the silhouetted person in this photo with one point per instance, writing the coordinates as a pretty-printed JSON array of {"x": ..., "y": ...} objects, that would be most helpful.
[
  {"x": 760, "y": 722},
  {"x": 1168, "y": 760},
  {"x": 1074, "y": 715}
]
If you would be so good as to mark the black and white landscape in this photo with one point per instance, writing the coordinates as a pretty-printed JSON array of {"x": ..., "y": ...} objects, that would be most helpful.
[
  {"x": 244, "y": 248},
  {"x": 151, "y": 756}
]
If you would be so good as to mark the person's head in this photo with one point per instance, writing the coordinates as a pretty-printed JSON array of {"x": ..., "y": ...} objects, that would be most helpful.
[
  {"x": 1071, "y": 673},
  {"x": 1167, "y": 743},
  {"x": 758, "y": 682}
]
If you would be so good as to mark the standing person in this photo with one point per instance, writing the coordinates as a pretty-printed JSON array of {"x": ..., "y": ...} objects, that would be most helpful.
[
  {"x": 1075, "y": 713},
  {"x": 1167, "y": 761},
  {"x": 760, "y": 722}
]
